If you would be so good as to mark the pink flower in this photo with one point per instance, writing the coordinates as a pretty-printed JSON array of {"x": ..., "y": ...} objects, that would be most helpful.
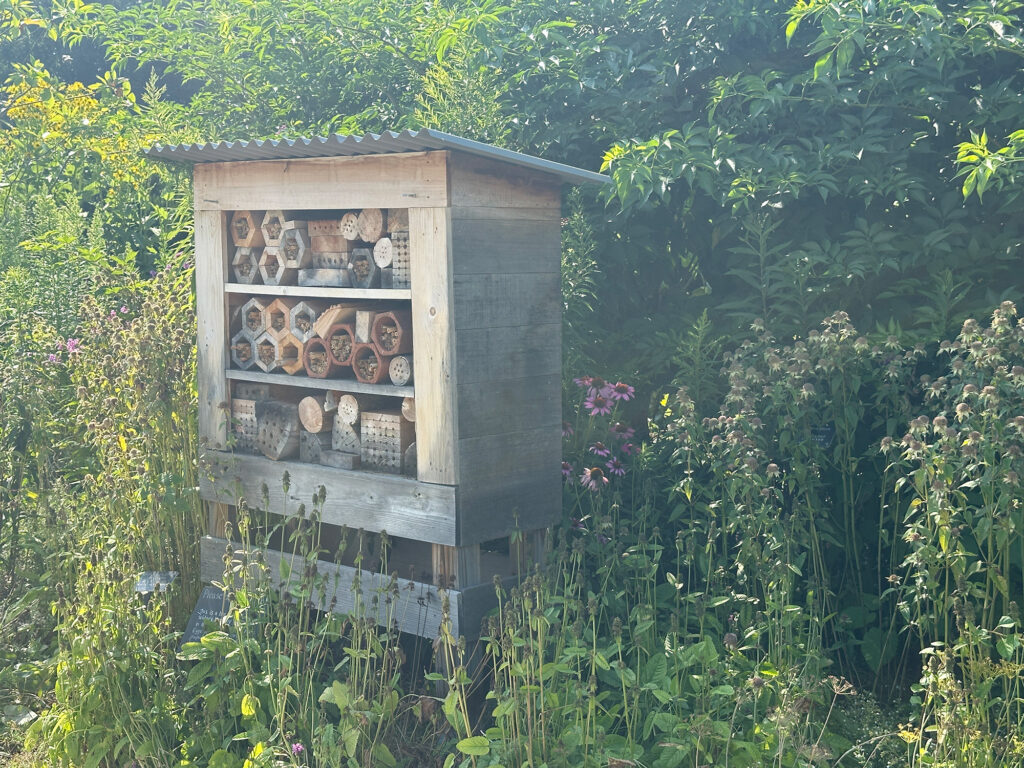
[
  {"x": 597, "y": 404},
  {"x": 124, "y": 311},
  {"x": 599, "y": 449},
  {"x": 297, "y": 748},
  {"x": 72, "y": 346},
  {"x": 52, "y": 358},
  {"x": 593, "y": 478},
  {"x": 566, "y": 470},
  {"x": 620, "y": 391},
  {"x": 615, "y": 467},
  {"x": 622, "y": 432},
  {"x": 583, "y": 382},
  {"x": 599, "y": 386},
  {"x": 629, "y": 449},
  {"x": 567, "y": 430}
]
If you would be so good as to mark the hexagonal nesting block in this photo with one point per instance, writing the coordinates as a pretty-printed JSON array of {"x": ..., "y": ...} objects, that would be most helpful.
[
  {"x": 243, "y": 351},
  {"x": 278, "y": 353},
  {"x": 341, "y": 340},
  {"x": 254, "y": 320},
  {"x": 369, "y": 366},
  {"x": 277, "y": 317},
  {"x": 273, "y": 226},
  {"x": 302, "y": 317},
  {"x": 317, "y": 360},
  {"x": 246, "y": 265},
  {"x": 392, "y": 332},
  {"x": 245, "y": 229},
  {"x": 273, "y": 270},
  {"x": 266, "y": 353},
  {"x": 295, "y": 249},
  {"x": 290, "y": 351},
  {"x": 365, "y": 272}
]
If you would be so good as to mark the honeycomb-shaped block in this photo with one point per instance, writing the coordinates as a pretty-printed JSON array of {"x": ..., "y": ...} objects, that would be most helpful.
[
  {"x": 341, "y": 342},
  {"x": 302, "y": 317},
  {"x": 294, "y": 249},
  {"x": 365, "y": 272},
  {"x": 243, "y": 351},
  {"x": 267, "y": 353},
  {"x": 278, "y": 317},
  {"x": 317, "y": 360},
  {"x": 245, "y": 229},
  {"x": 392, "y": 332},
  {"x": 273, "y": 226},
  {"x": 289, "y": 352},
  {"x": 273, "y": 269},
  {"x": 246, "y": 265},
  {"x": 254, "y": 320},
  {"x": 369, "y": 367}
]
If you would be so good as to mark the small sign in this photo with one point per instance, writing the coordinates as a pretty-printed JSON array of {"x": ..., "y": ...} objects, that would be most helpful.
[
  {"x": 155, "y": 581},
  {"x": 212, "y": 605},
  {"x": 823, "y": 436}
]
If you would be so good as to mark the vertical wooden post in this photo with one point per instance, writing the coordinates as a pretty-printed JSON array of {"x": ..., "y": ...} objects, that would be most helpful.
[
  {"x": 211, "y": 237},
  {"x": 455, "y": 567},
  {"x": 434, "y": 361},
  {"x": 527, "y": 548}
]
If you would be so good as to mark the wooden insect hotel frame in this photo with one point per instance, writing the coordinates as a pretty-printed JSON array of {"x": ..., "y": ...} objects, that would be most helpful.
[{"x": 380, "y": 317}]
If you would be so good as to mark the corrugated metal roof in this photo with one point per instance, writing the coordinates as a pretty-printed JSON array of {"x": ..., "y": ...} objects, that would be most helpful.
[{"x": 370, "y": 144}]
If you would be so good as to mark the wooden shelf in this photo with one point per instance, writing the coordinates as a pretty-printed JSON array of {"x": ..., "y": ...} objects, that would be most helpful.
[
  {"x": 334, "y": 385},
  {"x": 321, "y": 292}
]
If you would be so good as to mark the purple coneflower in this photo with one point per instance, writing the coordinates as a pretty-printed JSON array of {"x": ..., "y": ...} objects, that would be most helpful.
[
  {"x": 72, "y": 346},
  {"x": 629, "y": 449},
  {"x": 597, "y": 404},
  {"x": 615, "y": 467},
  {"x": 599, "y": 449},
  {"x": 566, "y": 470},
  {"x": 593, "y": 478},
  {"x": 583, "y": 382},
  {"x": 599, "y": 386},
  {"x": 620, "y": 391}
]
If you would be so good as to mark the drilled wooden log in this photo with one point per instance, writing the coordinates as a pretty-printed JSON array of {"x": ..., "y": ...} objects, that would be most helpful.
[
  {"x": 302, "y": 317},
  {"x": 313, "y": 416},
  {"x": 371, "y": 223},
  {"x": 245, "y": 229},
  {"x": 316, "y": 359},
  {"x": 350, "y": 226},
  {"x": 391, "y": 332},
  {"x": 325, "y": 278},
  {"x": 279, "y": 429},
  {"x": 345, "y": 437},
  {"x": 365, "y": 273},
  {"x": 312, "y": 446},
  {"x": 400, "y": 264},
  {"x": 340, "y": 345},
  {"x": 254, "y": 319},
  {"x": 400, "y": 370},
  {"x": 272, "y": 226},
  {"x": 398, "y": 219},
  {"x": 368, "y": 365},
  {"x": 331, "y": 259},
  {"x": 245, "y": 265},
  {"x": 364, "y": 326},
  {"x": 243, "y": 350},
  {"x": 273, "y": 270},
  {"x": 409, "y": 409},
  {"x": 294, "y": 248},
  {"x": 382, "y": 252},
  {"x": 324, "y": 227},
  {"x": 384, "y": 437},
  {"x": 340, "y": 459},
  {"x": 250, "y": 390},
  {"x": 350, "y": 406},
  {"x": 409, "y": 461},
  {"x": 277, "y": 316}
]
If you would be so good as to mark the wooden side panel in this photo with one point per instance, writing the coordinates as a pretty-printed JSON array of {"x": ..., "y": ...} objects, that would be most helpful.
[
  {"x": 491, "y": 301},
  {"x": 408, "y": 180},
  {"x": 523, "y": 352},
  {"x": 502, "y": 405},
  {"x": 506, "y": 246},
  {"x": 484, "y": 183},
  {"x": 369, "y": 500},
  {"x": 434, "y": 357},
  {"x": 414, "y": 607},
  {"x": 211, "y": 243}
]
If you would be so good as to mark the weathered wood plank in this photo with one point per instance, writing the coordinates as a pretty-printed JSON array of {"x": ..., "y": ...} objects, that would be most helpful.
[
  {"x": 340, "y": 385},
  {"x": 481, "y": 246},
  {"x": 490, "y": 301},
  {"x": 212, "y": 248},
  {"x": 508, "y": 352},
  {"x": 481, "y": 182},
  {"x": 509, "y": 481},
  {"x": 414, "y": 179},
  {"x": 510, "y": 405},
  {"x": 434, "y": 361},
  {"x": 387, "y": 294},
  {"x": 415, "y": 608},
  {"x": 368, "y": 500}
]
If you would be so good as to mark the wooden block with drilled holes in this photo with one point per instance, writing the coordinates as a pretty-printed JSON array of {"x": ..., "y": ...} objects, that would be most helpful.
[
  {"x": 385, "y": 436},
  {"x": 244, "y": 424},
  {"x": 312, "y": 445},
  {"x": 250, "y": 390},
  {"x": 279, "y": 429},
  {"x": 320, "y": 227},
  {"x": 400, "y": 370},
  {"x": 345, "y": 437},
  {"x": 400, "y": 266}
]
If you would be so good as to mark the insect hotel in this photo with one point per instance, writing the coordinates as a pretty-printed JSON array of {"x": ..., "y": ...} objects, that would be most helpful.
[{"x": 379, "y": 320}]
